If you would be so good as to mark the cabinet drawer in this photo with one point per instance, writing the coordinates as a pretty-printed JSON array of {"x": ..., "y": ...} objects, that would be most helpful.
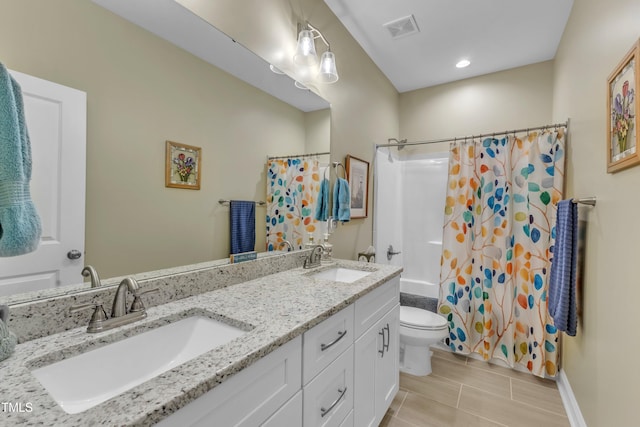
[
  {"x": 290, "y": 415},
  {"x": 324, "y": 342},
  {"x": 250, "y": 396},
  {"x": 371, "y": 307},
  {"x": 328, "y": 398}
]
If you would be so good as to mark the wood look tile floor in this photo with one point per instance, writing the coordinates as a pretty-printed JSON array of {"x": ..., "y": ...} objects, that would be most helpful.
[{"x": 465, "y": 392}]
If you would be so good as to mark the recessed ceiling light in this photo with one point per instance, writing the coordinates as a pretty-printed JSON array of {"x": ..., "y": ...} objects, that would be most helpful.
[{"x": 463, "y": 63}]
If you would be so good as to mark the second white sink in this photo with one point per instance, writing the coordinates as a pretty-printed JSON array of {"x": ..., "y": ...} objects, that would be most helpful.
[
  {"x": 88, "y": 379},
  {"x": 339, "y": 274}
]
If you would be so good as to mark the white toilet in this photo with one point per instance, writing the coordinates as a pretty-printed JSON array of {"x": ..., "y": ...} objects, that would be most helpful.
[{"x": 418, "y": 330}]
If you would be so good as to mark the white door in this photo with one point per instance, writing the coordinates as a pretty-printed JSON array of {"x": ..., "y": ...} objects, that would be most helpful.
[{"x": 56, "y": 118}]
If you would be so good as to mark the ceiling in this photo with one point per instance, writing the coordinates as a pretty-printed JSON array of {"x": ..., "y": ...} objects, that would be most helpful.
[{"x": 494, "y": 35}]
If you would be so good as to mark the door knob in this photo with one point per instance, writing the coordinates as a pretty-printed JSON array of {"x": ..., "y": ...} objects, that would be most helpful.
[
  {"x": 74, "y": 254},
  {"x": 391, "y": 252}
]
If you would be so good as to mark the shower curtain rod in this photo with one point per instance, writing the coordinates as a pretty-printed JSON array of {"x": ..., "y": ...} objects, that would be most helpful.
[
  {"x": 297, "y": 155},
  {"x": 506, "y": 132}
]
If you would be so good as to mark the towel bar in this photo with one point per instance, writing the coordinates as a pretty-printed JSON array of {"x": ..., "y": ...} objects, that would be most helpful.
[
  {"x": 226, "y": 202},
  {"x": 591, "y": 201}
]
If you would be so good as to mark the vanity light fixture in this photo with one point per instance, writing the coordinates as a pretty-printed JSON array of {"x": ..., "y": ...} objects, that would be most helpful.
[
  {"x": 463, "y": 63},
  {"x": 275, "y": 69},
  {"x": 306, "y": 59}
]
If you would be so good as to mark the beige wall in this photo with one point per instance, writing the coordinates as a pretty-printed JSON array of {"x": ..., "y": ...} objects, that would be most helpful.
[
  {"x": 601, "y": 361},
  {"x": 317, "y": 125},
  {"x": 142, "y": 91},
  {"x": 511, "y": 99}
]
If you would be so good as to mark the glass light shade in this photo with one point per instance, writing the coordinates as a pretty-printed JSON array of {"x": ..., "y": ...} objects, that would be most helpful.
[
  {"x": 305, "y": 73},
  {"x": 328, "y": 72},
  {"x": 306, "y": 49}
]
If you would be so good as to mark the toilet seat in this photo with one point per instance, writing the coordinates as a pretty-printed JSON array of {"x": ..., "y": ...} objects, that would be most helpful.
[{"x": 417, "y": 318}]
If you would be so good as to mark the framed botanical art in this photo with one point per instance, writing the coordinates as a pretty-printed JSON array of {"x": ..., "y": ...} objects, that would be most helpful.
[
  {"x": 182, "y": 168},
  {"x": 358, "y": 177},
  {"x": 622, "y": 105}
]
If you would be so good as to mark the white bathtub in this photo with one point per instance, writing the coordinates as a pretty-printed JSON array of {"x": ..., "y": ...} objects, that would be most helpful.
[{"x": 419, "y": 287}]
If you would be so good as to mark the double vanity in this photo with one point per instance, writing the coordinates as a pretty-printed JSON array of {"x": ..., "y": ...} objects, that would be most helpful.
[{"x": 299, "y": 347}]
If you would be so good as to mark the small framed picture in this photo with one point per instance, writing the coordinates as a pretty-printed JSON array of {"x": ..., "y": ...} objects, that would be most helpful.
[
  {"x": 622, "y": 105},
  {"x": 182, "y": 169},
  {"x": 358, "y": 177}
]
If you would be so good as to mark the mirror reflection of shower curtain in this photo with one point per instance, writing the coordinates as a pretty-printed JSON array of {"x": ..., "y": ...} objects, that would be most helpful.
[{"x": 292, "y": 190}]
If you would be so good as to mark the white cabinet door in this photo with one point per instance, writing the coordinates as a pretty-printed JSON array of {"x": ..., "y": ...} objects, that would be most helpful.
[
  {"x": 364, "y": 382},
  {"x": 388, "y": 364},
  {"x": 376, "y": 372}
]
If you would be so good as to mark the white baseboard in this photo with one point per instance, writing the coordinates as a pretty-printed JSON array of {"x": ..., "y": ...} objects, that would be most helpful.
[{"x": 569, "y": 400}]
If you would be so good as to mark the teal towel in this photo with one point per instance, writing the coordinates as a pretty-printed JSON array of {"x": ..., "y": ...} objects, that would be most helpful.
[
  {"x": 8, "y": 340},
  {"x": 341, "y": 200},
  {"x": 20, "y": 227},
  {"x": 322, "y": 207}
]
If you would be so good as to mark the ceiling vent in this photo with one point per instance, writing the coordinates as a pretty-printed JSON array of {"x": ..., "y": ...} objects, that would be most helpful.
[{"x": 402, "y": 27}]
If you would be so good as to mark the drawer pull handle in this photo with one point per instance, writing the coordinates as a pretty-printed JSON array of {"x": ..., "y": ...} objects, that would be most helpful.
[
  {"x": 342, "y": 391},
  {"x": 386, "y": 346},
  {"x": 341, "y": 335},
  {"x": 385, "y": 343}
]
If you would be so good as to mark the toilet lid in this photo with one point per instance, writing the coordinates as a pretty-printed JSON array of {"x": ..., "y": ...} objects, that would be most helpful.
[{"x": 418, "y": 318}]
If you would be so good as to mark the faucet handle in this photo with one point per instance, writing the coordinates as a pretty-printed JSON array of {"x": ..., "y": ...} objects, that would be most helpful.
[
  {"x": 99, "y": 315},
  {"x": 137, "y": 304}
]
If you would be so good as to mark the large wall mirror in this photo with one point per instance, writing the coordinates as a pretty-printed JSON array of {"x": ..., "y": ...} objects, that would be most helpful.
[{"x": 152, "y": 71}]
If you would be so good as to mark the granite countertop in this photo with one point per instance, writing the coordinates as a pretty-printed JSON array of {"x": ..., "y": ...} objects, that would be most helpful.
[{"x": 277, "y": 307}]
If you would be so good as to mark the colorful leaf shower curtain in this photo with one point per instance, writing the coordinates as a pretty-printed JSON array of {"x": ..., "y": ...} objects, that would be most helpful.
[
  {"x": 498, "y": 242},
  {"x": 292, "y": 191}
]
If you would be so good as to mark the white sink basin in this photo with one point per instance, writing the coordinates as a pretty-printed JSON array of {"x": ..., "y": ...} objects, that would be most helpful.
[
  {"x": 88, "y": 379},
  {"x": 339, "y": 274}
]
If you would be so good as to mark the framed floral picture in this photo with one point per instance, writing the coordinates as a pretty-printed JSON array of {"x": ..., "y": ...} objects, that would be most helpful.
[
  {"x": 182, "y": 169},
  {"x": 622, "y": 105},
  {"x": 358, "y": 177}
]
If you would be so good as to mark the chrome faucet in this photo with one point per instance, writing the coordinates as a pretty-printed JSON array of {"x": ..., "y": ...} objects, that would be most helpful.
[
  {"x": 314, "y": 258},
  {"x": 89, "y": 271},
  {"x": 286, "y": 243},
  {"x": 119, "y": 307},
  {"x": 119, "y": 315}
]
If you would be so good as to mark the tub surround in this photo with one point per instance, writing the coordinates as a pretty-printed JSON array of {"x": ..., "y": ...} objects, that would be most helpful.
[
  {"x": 274, "y": 308},
  {"x": 47, "y": 312}
]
